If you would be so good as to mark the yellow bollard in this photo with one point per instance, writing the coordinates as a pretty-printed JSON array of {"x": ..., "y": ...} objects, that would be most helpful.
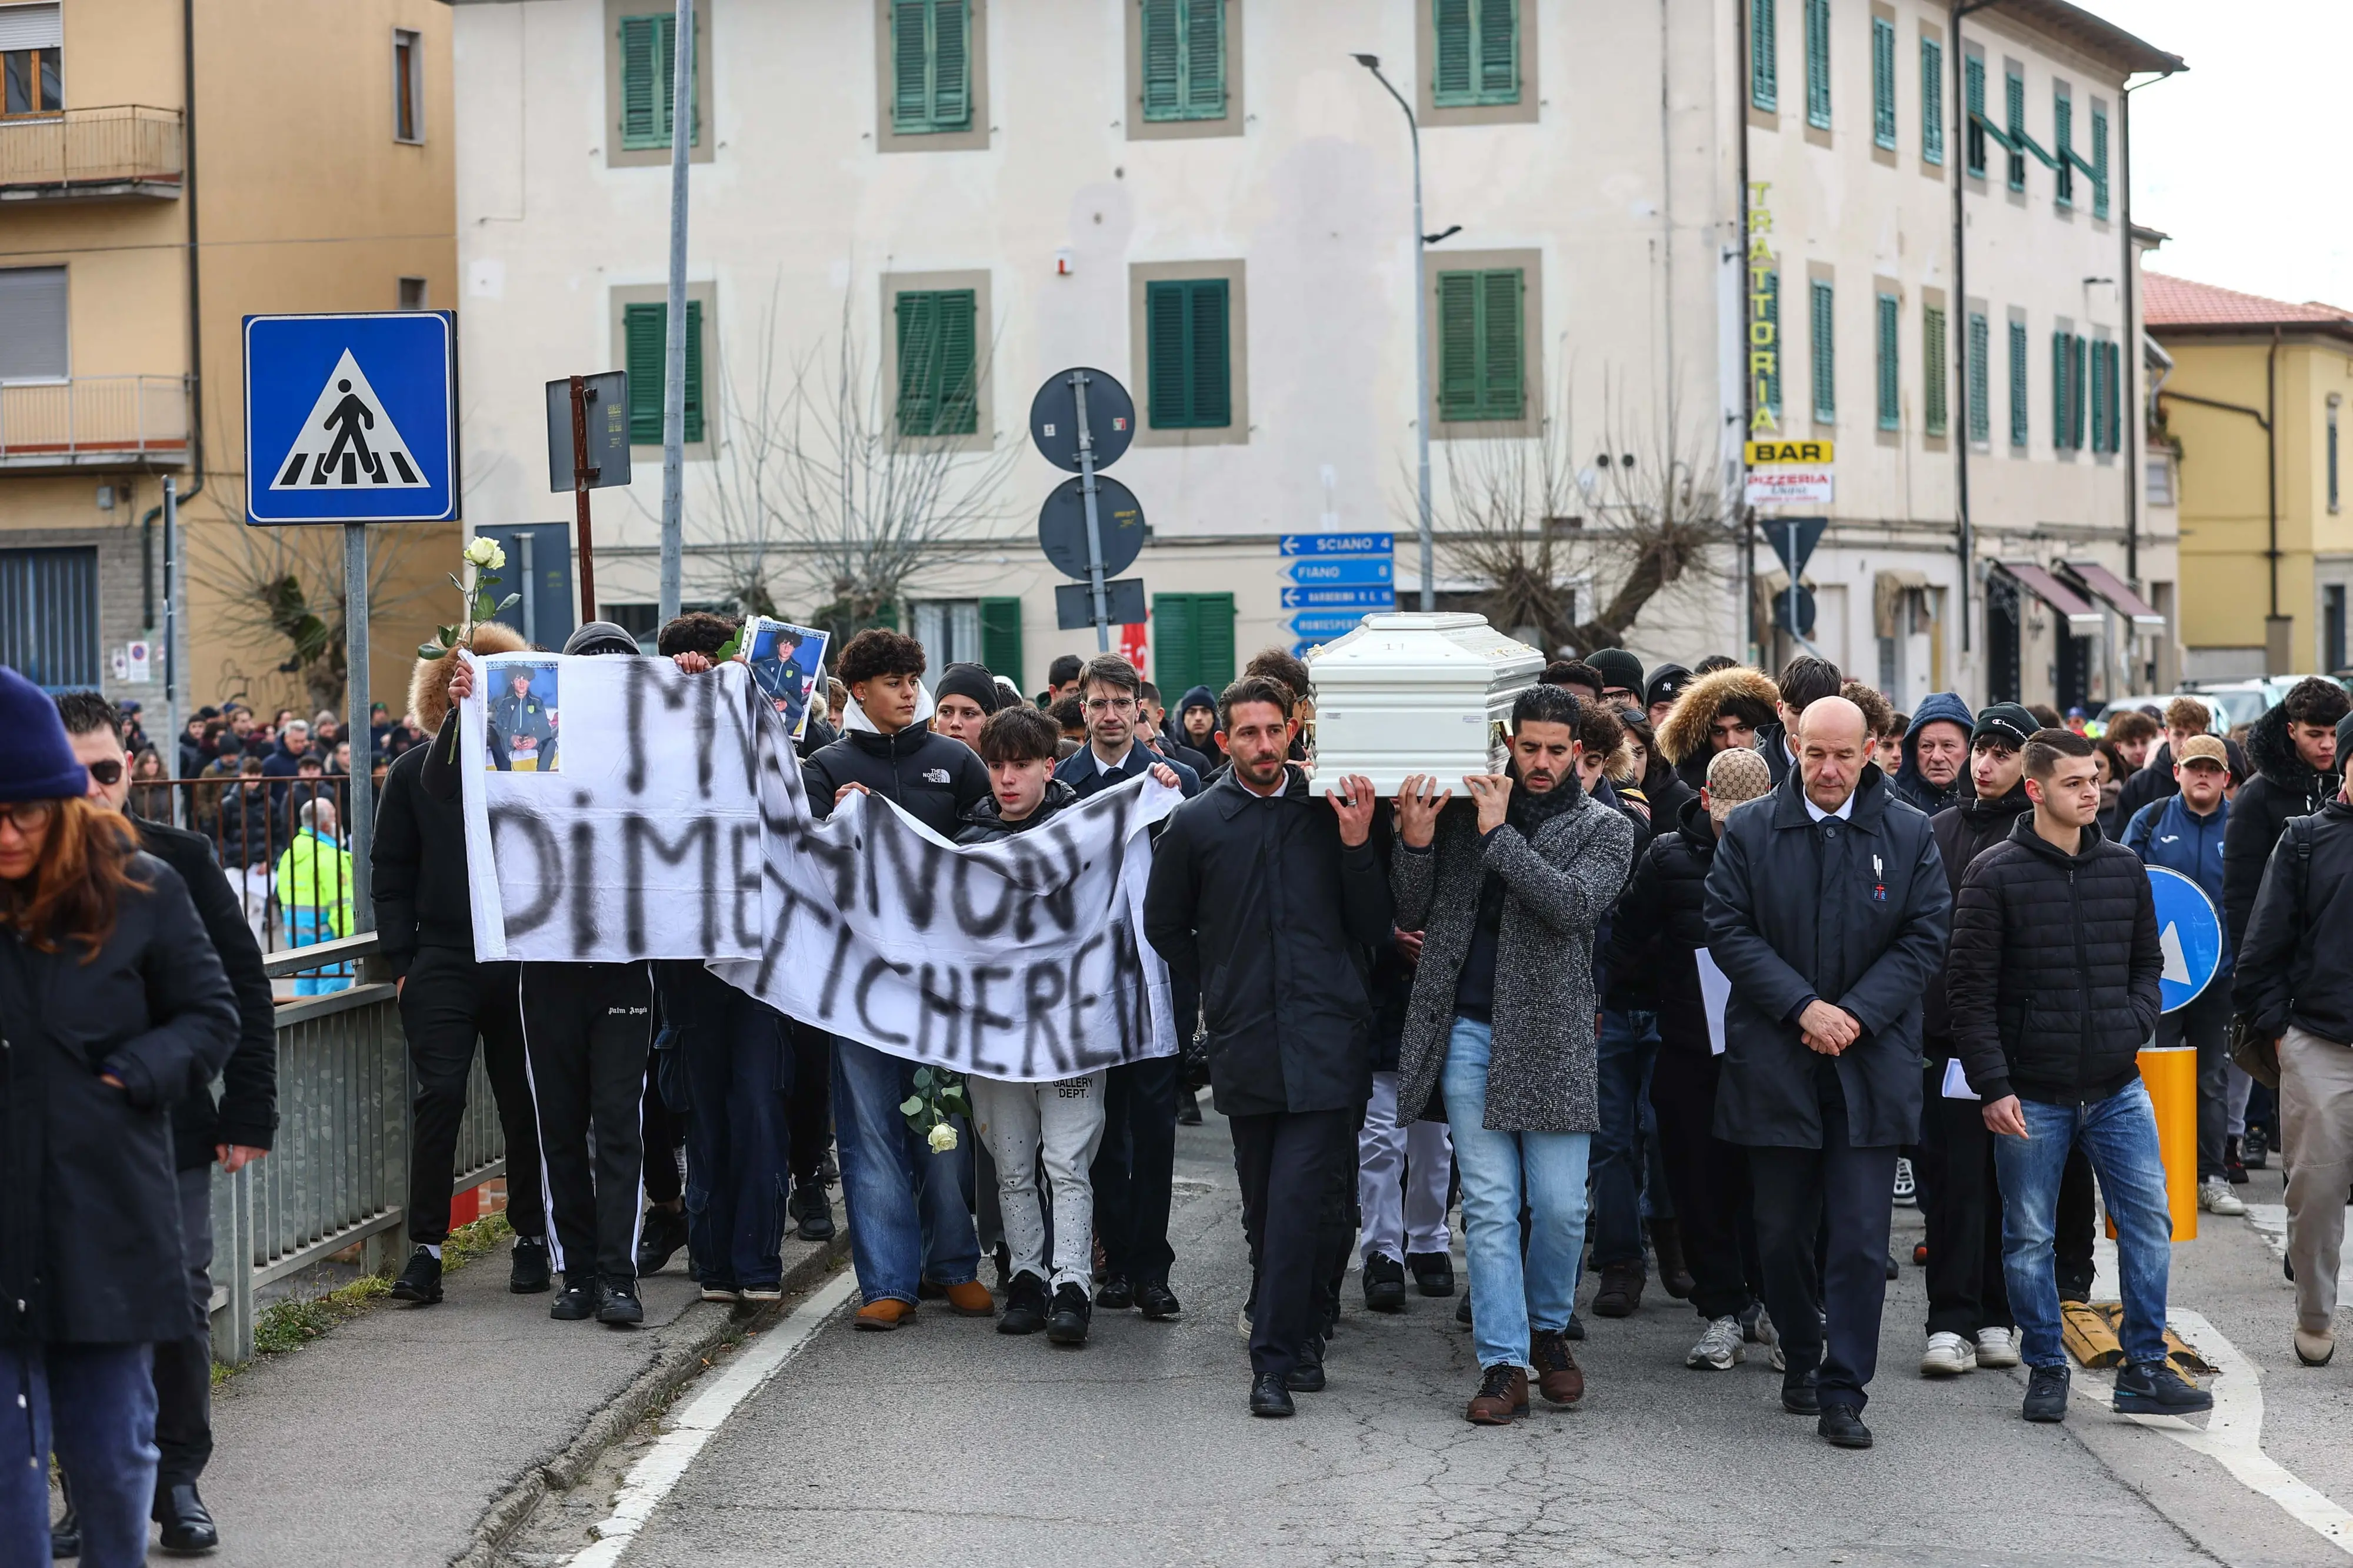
[{"x": 2172, "y": 1078}]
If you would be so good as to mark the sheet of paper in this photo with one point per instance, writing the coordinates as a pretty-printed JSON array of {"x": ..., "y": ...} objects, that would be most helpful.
[
  {"x": 1715, "y": 991},
  {"x": 1956, "y": 1082}
]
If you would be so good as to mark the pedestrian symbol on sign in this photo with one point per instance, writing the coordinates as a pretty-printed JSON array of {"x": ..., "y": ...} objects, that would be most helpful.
[{"x": 348, "y": 442}]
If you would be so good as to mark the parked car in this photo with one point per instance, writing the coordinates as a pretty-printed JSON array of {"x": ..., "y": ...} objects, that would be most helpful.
[{"x": 2219, "y": 725}]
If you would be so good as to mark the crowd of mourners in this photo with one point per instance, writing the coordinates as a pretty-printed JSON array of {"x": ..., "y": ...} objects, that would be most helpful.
[{"x": 1714, "y": 970}]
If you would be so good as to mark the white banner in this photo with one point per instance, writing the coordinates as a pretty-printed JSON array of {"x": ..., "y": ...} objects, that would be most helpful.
[
  {"x": 619, "y": 810},
  {"x": 1791, "y": 485}
]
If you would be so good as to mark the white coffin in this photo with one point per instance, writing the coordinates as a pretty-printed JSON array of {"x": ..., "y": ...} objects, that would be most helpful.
[{"x": 1410, "y": 693}]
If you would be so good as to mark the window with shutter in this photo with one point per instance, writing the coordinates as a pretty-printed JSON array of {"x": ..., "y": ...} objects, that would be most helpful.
[
  {"x": 1932, "y": 102},
  {"x": 1974, "y": 137},
  {"x": 1937, "y": 385},
  {"x": 938, "y": 343},
  {"x": 1891, "y": 387},
  {"x": 2014, "y": 92},
  {"x": 649, "y": 83},
  {"x": 1823, "y": 327},
  {"x": 2116, "y": 397},
  {"x": 1883, "y": 83},
  {"x": 1184, "y": 44},
  {"x": 645, "y": 353},
  {"x": 1479, "y": 345},
  {"x": 1981, "y": 393},
  {"x": 49, "y": 617},
  {"x": 2062, "y": 139},
  {"x": 1478, "y": 50},
  {"x": 1192, "y": 642},
  {"x": 34, "y": 342},
  {"x": 2018, "y": 412},
  {"x": 1188, "y": 377},
  {"x": 1818, "y": 64},
  {"x": 1764, "y": 56},
  {"x": 2062, "y": 362},
  {"x": 1213, "y": 640},
  {"x": 1000, "y": 638},
  {"x": 931, "y": 67},
  {"x": 2099, "y": 162},
  {"x": 2075, "y": 387}
]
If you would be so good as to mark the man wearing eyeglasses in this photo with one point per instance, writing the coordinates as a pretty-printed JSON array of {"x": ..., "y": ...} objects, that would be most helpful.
[
  {"x": 236, "y": 1131},
  {"x": 1135, "y": 1167}
]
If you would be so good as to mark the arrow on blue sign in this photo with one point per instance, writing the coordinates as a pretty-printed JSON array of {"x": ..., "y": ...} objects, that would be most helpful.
[
  {"x": 1339, "y": 543},
  {"x": 1339, "y": 598},
  {"x": 2188, "y": 933},
  {"x": 1325, "y": 625},
  {"x": 351, "y": 417},
  {"x": 1364, "y": 573}
]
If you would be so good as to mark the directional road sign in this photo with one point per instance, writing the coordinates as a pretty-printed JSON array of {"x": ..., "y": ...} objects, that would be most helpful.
[
  {"x": 1325, "y": 625},
  {"x": 1338, "y": 543},
  {"x": 1363, "y": 572},
  {"x": 2190, "y": 934},
  {"x": 1339, "y": 598},
  {"x": 352, "y": 417}
]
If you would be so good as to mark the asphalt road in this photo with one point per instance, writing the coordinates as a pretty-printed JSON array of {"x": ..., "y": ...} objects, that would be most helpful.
[{"x": 946, "y": 1442}]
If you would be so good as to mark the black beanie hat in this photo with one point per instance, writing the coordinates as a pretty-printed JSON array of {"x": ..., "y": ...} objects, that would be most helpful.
[
  {"x": 2009, "y": 722},
  {"x": 969, "y": 681},
  {"x": 38, "y": 762},
  {"x": 1617, "y": 668}
]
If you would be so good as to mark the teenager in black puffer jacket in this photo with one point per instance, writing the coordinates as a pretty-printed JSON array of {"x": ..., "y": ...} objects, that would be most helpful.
[{"x": 2294, "y": 751}]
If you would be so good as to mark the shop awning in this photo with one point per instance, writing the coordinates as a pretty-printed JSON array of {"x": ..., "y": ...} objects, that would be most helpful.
[
  {"x": 2107, "y": 586},
  {"x": 1887, "y": 589},
  {"x": 2083, "y": 618}
]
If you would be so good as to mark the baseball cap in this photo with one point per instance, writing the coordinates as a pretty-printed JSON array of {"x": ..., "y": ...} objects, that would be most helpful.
[{"x": 2204, "y": 749}]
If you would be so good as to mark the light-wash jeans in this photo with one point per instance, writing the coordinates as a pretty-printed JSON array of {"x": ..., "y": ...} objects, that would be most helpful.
[
  {"x": 1402, "y": 1178},
  {"x": 1512, "y": 1295},
  {"x": 909, "y": 1217},
  {"x": 2119, "y": 1135},
  {"x": 1058, "y": 1124}
]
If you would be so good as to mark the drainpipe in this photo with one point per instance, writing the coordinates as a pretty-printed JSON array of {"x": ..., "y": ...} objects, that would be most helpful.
[
  {"x": 1748, "y": 381},
  {"x": 1957, "y": 154},
  {"x": 2271, "y": 464},
  {"x": 195, "y": 288}
]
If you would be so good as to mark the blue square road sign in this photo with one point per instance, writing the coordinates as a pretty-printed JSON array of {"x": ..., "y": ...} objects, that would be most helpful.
[{"x": 351, "y": 417}]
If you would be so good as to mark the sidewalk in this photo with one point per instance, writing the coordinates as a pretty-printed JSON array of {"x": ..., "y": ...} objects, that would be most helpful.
[{"x": 389, "y": 1439}]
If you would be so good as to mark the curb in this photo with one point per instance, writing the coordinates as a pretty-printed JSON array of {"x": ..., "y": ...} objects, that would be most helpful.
[{"x": 676, "y": 1367}]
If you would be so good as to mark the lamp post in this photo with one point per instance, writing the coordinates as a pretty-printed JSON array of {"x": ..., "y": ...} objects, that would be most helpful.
[{"x": 1421, "y": 336}]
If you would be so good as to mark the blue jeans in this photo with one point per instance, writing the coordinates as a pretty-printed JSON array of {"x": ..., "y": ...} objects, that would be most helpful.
[
  {"x": 2119, "y": 1133},
  {"x": 909, "y": 1217},
  {"x": 739, "y": 1070},
  {"x": 94, "y": 1407},
  {"x": 1499, "y": 1171},
  {"x": 1630, "y": 1044}
]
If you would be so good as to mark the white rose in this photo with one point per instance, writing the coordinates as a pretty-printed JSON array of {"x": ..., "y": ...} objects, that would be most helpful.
[
  {"x": 484, "y": 551},
  {"x": 943, "y": 1138}
]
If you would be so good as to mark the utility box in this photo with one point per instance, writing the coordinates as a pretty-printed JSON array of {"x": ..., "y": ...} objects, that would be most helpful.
[{"x": 1411, "y": 693}]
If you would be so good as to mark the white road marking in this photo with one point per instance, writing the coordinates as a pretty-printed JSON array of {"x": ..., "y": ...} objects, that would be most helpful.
[
  {"x": 650, "y": 1480},
  {"x": 2270, "y": 1221}
]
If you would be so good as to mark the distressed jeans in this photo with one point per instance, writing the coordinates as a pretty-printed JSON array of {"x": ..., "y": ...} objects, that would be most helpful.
[
  {"x": 1501, "y": 1172},
  {"x": 908, "y": 1218},
  {"x": 2119, "y": 1135}
]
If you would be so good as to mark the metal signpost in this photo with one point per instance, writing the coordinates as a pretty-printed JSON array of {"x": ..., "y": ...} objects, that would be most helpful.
[
  {"x": 1793, "y": 540},
  {"x": 351, "y": 419},
  {"x": 1334, "y": 573},
  {"x": 587, "y": 449},
  {"x": 1082, "y": 420}
]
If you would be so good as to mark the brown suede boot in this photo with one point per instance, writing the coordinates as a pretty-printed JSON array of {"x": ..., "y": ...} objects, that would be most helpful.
[
  {"x": 1558, "y": 1377},
  {"x": 1621, "y": 1290},
  {"x": 884, "y": 1314},
  {"x": 972, "y": 1299},
  {"x": 1503, "y": 1396}
]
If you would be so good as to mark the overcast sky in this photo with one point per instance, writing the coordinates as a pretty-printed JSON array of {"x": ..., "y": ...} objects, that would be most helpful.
[{"x": 2238, "y": 160}]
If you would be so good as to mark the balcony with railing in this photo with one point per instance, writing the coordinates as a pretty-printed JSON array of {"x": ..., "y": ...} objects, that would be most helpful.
[
  {"x": 123, "y": 151},
  {"x": 94, "y": 422}
]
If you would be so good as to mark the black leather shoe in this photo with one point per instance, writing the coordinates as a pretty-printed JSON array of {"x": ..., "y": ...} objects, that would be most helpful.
[
  {"x": 1025, "y": 1305},
  {"x": 1801, "y": 1392},
  {"x": 1307, "y": 1373},
  {"x": 419, "y": 1282},
  {"x": 1157, "y": 1302},
  {"x": 1188, "y": 1108},
  {"x": 660, "y": 1236},
  {"x": 1115, "y": 1294},
  {"x": 577, "y": 1302},
  {"x": 1383, "y": 1284},
  {"x": 618, "y": 1303},
  {"x": 1433, "y": 1272},
  {"x": 188, "y": 1527},
  {"x": 1462, "y": 1312},
  {"x": 815, "y": 1210},
  {"x": 528, "y": 1270},
  {"x": 1066, "y": 1324},
  {"x": 1268, "y": 1397},
  {"x": 65, "y": 1535},
  {"x": 1841, "y": 1427}
]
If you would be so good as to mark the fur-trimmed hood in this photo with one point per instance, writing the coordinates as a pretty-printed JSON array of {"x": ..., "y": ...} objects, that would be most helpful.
[
  {"x": 1683, "y": 734},
  {"x": 428, "y": 683}
]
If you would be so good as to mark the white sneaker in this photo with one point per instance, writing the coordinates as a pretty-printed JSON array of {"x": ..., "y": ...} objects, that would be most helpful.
[
  {"x": 2215, "y": 1196},
  {"x": 1947, "y": 1355},
  {"x": 1720, "y": 1349},
  {"x": 1779, "y": 1361},
  {"x": 1997, "y": 1348},
  {"x": 1907, "y": 1189}
]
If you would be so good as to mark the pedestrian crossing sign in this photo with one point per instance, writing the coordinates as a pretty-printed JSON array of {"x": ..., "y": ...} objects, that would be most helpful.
[{"x": 351, "y": 417}]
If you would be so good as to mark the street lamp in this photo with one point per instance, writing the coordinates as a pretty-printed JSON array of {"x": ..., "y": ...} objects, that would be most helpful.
[{"x": 1421, "y": 332}]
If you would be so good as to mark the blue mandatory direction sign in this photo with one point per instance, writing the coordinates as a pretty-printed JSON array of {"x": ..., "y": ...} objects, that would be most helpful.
[
  {"x": 1364, "y": 572},
  {"x": 1339, "y": 598},
  {"x": 1324, "y": 626},
  {"x": 1338, "y": 543},
  {"x": 2190, "y": 934},
  {"x": 351, "y": 418}
]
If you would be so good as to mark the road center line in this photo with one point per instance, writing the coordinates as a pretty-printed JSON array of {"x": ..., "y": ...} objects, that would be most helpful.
[{"x": 657, "y": 1471}]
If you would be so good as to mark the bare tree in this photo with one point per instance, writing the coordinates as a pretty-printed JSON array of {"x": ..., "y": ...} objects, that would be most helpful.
[
  {"x": 845, "y": 476},
  {"x": 1577, "y": 550}
]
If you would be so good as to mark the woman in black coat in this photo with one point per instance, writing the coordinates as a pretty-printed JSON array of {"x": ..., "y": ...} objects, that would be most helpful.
[{"x": 112, "y": 1005}]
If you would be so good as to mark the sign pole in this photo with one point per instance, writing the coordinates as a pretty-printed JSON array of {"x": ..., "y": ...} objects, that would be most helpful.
[
  {"x": 685, "y": 114},
  {"x": 581, "y": 474},
  {"x": 360, "y": 795},
  {"x": 1796, "y": 631},
  {"x": 1094, "y": 529},
  {"x": 172, "y": 625}
]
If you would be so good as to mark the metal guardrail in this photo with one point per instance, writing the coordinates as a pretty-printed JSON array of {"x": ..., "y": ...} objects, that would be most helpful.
[
  {"x": 121, "y": 150},
  {"x": 338, "y": 1174},
  {"x": 93, "y": 420}
]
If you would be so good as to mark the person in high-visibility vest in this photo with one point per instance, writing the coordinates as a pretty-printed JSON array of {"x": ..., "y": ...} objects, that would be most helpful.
[{"x": 314, "y": 891}]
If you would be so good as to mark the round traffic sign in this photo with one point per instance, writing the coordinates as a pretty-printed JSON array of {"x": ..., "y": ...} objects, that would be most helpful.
[
  {"x": 2190, "y": 934},
  {"x": 1054, "y": 418},
  {"x": 1062, "y": 526}
]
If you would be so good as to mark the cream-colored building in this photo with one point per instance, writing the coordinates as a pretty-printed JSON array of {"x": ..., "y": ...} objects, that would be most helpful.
[{"x": 156, "y": 187}]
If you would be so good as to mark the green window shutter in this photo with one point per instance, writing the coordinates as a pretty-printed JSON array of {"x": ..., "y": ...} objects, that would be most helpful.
[
  {"x": 1163, "y": 59},
  {"x": 1174, "y": 659},
  {"x": 1883, "y": 83},
  {"x": 1457, "y": 346},
  {"x": 1204, "y": 59},
  {"x": 1188, "y": 377},
  {"x": 2063, "y": 137},
  {"x": 1932, "y": 102},
  {"x": 649, "y": 88},
  {"x": 1981, "y": 391},
  {"x": 1936, "y": 374},
  {"x": 931, "y": 67},
  {"x": 1184, "y": 60},
  {"x": 2116, "y": 397},
  {"x": 2014, "y": 91},
  {"x": 2099, "y": 163},
  {"x": 1499, "y": 345},
  {"x": 694, "y": 369},
  {"x": 919, "y": 332},
  {"x": 938, "y": 352},
  {"x": 1973, "y": 87},
  {"x": 1477, "y": 46},
  {"x": 1000, "y": 638},
  {"x": 1768, "y": 309},
  {"x": 2075, "y": 393},
  {"x": 1891, "y": 387},
  {"x": 1818, "y": 64},
  {"x": 2018, "y": 412},
  {"x": 1479, "y": 345},
  {"x": 1453, "y": 82},
  {"x": 1499, "y": 51},
  {"x": 1213, "y": 633},
  {"x": 1823, "y": 329},
  {"x": 1764, "y": 56},
  {"x": 2061, "y": 360},
  {"x": 642, "y": 327}
]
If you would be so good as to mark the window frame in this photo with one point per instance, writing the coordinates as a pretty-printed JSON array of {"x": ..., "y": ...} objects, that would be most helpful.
[
  {"x": 1481, "y": 288},
  {"x": 1822, "y": 347},
  {"x": 982, "y": 437},
  {"x": 1764, "y": 56},
  {"x": 646, "y": 422},
  {"x": 946, "y": 304},
  {"x": 1973, "y": 139},
  {"x": 79, "y": 635},
  {"x": 700, "y": 299},
  {"x": 1818, "y": 64},
  {"x": 2099, "y": 160},
  {"x": 1235, "y": 274},
  {"x": 1186, "y": 295},
  {"x": 2021, "y": 412},
  {"x": 1228, "y": 122},
  {"x": 1887, "y": 308},
  {"x": 1979, "y": 374},
  {"x": 1883, "y": 83},
  {"x": 1475, "y": 20},
  {"x": 1522, "y": 109},
  {"x": 974, "y": 134},
  {"x": 408, "y": 87},
  {"x": 2062, "y": 142},
  {"x": 620, "y": 151},
  {"x": 1181, "y": 645},
  {"x": 1936, "y": 372},
  {"x": 1932, "y": 101},
  {"x": 1529, "y": 264}
]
